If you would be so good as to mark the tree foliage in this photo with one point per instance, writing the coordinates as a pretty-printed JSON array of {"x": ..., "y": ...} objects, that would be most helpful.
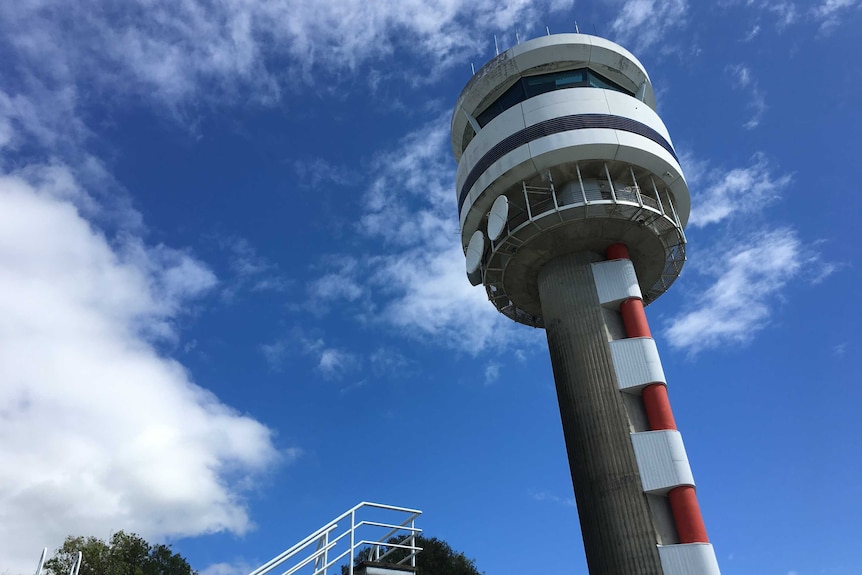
[
  {"x": 437, "y": 558},
  {"x": 123, "y": 554}
]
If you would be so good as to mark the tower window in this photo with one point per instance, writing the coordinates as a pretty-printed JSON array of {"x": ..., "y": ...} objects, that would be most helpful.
[{"x": 530, "y": 86}]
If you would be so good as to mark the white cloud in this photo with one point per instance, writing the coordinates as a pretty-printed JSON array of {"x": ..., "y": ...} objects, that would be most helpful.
[
  {"x": 742, "y": 79},
  {"x": 316, "y": 172},
  {"x": 416, "y": 282},
  {"x": 752, "y": 33},
  {"x": 334, "y": 362},
  {"x": 748, "y": 283},
  {"x": 492, "y": 372},
  {"x": 235, "y": 568},
  {"x": 719, "y": 195},
  {"x": 420, "y": 280},
  {"x": 331, "y": 362},
  {"x": 98, "y": 430},
  {"x": 783, "y": 12},
  {"x": 341, "y": 283},
  {"x": 545, "y": 497},
  {"x": 642, "y": 24},
  {"x": 742, "y": 75},
  {"x": 829, "y": 12},
  {"x": 248, "y": 269},
  {"x": 387, "y": 361},
  {"x": 176, "y": 50}
]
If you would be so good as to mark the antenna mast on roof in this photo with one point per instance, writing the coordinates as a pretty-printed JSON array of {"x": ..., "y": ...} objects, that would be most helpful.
[
  {"x": 548, "y": 30},
  {"x": 577, "y": 31},
  {"x": 496, "y": 47},
  {"x": 517, "y": 38},
  {"x": 473, "y": 68}
]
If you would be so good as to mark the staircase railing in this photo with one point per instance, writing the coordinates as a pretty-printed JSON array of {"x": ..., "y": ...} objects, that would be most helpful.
[{"x": 367, "y": 526}]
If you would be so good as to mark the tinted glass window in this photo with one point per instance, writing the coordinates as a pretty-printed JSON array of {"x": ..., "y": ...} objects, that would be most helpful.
[{"x": 535, "y": 85}]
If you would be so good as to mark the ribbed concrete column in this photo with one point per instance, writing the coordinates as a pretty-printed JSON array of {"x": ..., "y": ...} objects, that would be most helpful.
[{"x": 618, "y": 533}]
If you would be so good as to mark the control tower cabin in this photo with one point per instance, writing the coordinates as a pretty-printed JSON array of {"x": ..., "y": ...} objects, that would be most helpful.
[{"x": 572, "y": 205}]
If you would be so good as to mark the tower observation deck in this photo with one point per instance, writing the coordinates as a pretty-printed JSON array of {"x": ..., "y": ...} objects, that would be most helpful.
[{"x": 572, "y": 205}]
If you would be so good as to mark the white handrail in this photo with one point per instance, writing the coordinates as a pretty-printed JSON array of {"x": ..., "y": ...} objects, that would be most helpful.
[{"x": 316, "y": 547}]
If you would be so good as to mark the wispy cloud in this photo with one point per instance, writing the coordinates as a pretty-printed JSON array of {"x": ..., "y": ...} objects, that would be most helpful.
[
  {"x": 249, "y": 271},
  {"x": 719, "y": 195},
  {"x": 415, "y": 279},
  {"x": 744, "y": 271},
  {"x": 752, "y": 33},
  {"x": 174, "y": 51},
  {"x": 742, "y": 79},
  {"x": 492, "y": 372},
  {"x": 783, "y": 12},
  {"x": 546, "y": 497},
  {"x": 330, "y": 361},
  {"x": 746, "y": 288},
  {"x": 828, "y": 13},
  {"x": 643, "y": 24},
  {"x": 315, "y": 172}
]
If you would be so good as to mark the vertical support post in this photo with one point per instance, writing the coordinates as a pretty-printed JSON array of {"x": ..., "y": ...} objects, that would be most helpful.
[
  {"x": 676, "y": 217},
  {"x": 657, "y": 195},
  {"x": 352, "y": 541},
  {"x": 610, "y": 183},
  {"x": 412, "y": 543},
  {"x": 637, "y": 188},
  {"x": 41, "y": 561},
  {"x": 581, "y": 182},
  {"x": 325, "y": 551},
  {"x": 527, "y": 199},
  {"x": 554, "y": 193}
]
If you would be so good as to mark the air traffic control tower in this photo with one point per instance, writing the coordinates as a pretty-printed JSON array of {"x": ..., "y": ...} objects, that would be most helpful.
[{"x": 572, "y": 205}]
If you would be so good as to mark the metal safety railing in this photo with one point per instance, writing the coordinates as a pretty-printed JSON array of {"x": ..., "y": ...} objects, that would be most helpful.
[
  {"x": 536, "y": 210},
  {"x": 370, "y": 531},
  {"x": 76, "y": 564}
]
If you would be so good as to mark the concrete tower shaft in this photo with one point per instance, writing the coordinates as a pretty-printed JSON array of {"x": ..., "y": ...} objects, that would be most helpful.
[{"x": 572, "y": 205}]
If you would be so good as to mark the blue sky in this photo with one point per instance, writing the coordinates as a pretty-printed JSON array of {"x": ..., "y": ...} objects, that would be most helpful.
[{"x": 234, "y": 301}]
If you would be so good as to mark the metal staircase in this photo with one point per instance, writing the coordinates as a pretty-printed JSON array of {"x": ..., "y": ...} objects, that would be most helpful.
[{"x": 370, "y": 532}]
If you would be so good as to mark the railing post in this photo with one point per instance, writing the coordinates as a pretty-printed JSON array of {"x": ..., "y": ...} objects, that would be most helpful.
[
  {"x": 412, "y": 543},
  {"x": 657, "y": 195},
  {"x": 637, "y": 187},
  {"x": 325, "y": 552},
  {"x": 41, "y": 561},
  {"x": 352, "y": 541},
  {"x": 581, "y": 182},
  {"x": 610, "y": 183}
]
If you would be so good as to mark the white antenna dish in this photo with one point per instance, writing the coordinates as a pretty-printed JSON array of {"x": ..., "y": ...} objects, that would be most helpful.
[
  {"x": 498, "y": 218},
  {"x": 475, "y": 251}
]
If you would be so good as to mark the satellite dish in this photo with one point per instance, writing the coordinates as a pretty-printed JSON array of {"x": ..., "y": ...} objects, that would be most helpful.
[
  {"x": 475, "y": 277},
  {"x": 498, "y": 218},
  {"x": 475, "y": 251}
]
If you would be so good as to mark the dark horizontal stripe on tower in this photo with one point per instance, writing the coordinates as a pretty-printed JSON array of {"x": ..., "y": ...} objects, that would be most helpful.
[{"x": 556, "y": 126}]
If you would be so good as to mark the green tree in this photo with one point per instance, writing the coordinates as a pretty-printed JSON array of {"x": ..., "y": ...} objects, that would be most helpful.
[
  {"x": 437, "y": 558},
  {"x": 123, "y": 554}
]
